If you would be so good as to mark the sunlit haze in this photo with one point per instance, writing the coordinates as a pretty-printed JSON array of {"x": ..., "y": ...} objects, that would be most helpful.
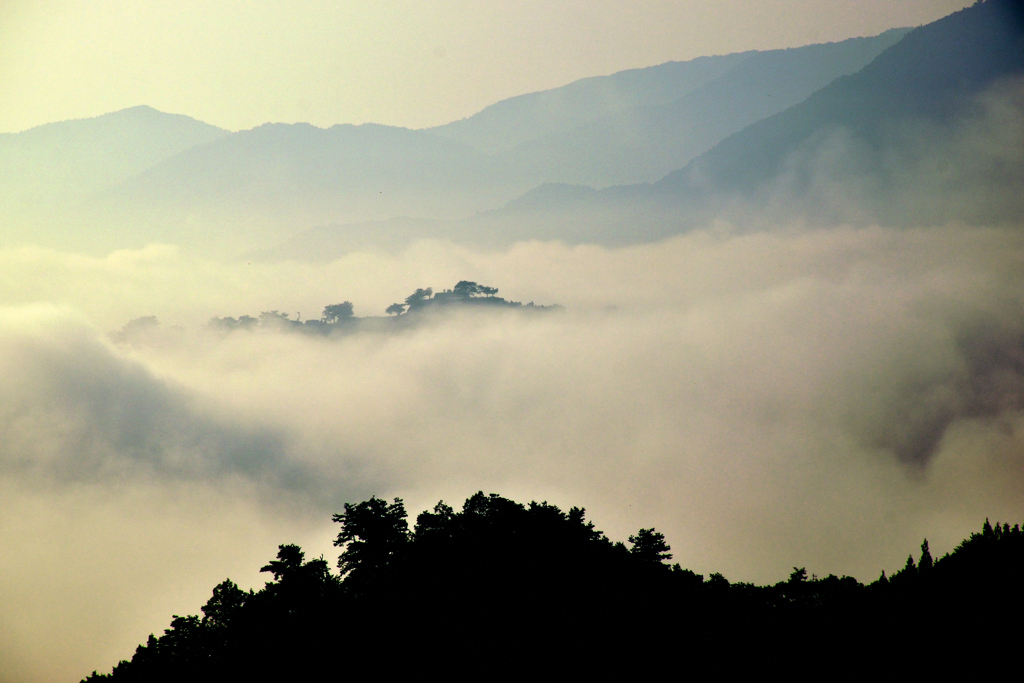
[
  {"x": 238, "y": 64},
  {"x": 778, "y": 296}
]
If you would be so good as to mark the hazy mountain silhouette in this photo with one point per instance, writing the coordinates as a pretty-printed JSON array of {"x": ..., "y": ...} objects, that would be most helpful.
[
  {"x": 277, "y": 179},
  {"x": 644, "y": 142},
  {"x": 622, "y": 214},
  {"x": 273, "y": 180},
  {"x": 508, "y": 123},
  {"x": 723, "y": 95},
  {"x": 928, "y": 132},
  {"x": 54, "y": 166},
  {"x": 893, "y": 143},
  {"x": 927, "y": 82},
  {"x": 156, "y": 177}
]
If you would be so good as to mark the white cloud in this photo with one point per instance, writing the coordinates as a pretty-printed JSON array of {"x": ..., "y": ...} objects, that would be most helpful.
[{"x": 820, "y": 397}]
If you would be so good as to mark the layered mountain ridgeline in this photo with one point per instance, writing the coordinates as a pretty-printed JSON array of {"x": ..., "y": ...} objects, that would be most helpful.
[
  {"x": 637, "y": 125},
  {"x": 905, "y": 128},
  {"x": 70, "y": 160},
  {"x": 929, "y": 132},
  {"x": 279, "y": 178},
  {"x": 138, "y": 176},
  {"x": 503, "y": 588},
  {"x": 256, "y": 187},
  {"x": 47, "y": 172},
  {"x": 340, "y": 318}
]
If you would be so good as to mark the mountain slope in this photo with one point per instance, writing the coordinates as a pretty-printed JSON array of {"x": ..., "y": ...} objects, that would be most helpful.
[
  {"x": 643, "y": 143},
  {"x": 277, "y": 179},
  {"x": 931, "y": 131},
  {"x": 915, "y": 107},
  {"x": 267, "y": 182},
  {"x": 506, "y": 124},
  {"x": 69, "y": 160},
  {"x": 638, "y": 141}
]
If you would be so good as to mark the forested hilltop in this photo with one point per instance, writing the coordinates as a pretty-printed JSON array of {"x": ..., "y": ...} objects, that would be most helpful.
[
  {"x": 500, "y": 588},
  {"x": 341, "y": 317}
]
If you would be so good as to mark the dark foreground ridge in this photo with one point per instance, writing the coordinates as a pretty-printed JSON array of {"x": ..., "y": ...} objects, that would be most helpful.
[{"x": 503, "y": 589}]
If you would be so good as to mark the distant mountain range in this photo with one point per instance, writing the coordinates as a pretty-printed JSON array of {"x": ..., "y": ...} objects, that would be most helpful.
[
  {"x": 898, "y": 111},
  {"x": 74, "y": 159},
  {"x": 931, "y": 131},
  {"x": 52, "y": 169},
  {"x": 280, "y": 179},
  {"x": 636, "y": 126},
  {"x": 254, "y": 186},
  {"x": 868, "y": 129}
]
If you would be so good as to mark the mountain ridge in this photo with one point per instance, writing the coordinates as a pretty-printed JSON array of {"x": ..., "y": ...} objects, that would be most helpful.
[{"x": 924, "y": 134}]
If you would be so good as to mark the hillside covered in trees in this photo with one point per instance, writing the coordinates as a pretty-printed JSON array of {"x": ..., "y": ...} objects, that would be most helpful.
[
  {"x": 501, "y": 588},
  {"x": 341, "y": 317}
]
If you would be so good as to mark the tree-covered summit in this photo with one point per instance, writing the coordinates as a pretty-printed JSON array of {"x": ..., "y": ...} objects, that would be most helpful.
[
  {"x": 341, "y": 318},
  {"x": 500, "y": 588}
]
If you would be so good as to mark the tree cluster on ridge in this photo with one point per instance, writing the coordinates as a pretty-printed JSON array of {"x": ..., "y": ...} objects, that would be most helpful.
[
  {"x": 514, "y": 589},
  {"x": 341, "y": 316}
]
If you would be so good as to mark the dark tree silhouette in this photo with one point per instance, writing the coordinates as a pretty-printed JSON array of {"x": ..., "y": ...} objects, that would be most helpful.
[
  {"x": 340, "y": 319},
  {"x": 650, "y": 546},
  {"x": 372, "y": 534},
  {"x": 227, "y": 600},
  {"x": 465, "y": 289},
  {"x": 276, "y": 319},
  {"x": 289, "y": 559},
  {"x": 418, "y": 297},
  {"x": 336, "y": 313},
  {"x": 926, "y": 562},
  {"x": 530, "y": 588}
]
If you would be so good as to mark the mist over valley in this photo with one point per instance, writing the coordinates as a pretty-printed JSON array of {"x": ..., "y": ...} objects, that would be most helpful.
[{"x": 770, "y": 303}]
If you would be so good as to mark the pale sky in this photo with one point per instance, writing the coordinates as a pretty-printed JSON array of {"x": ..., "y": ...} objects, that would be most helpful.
[{"x": 237, "y": 63}]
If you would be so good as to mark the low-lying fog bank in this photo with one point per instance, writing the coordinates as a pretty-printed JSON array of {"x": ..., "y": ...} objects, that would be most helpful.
[{"x": 818, "y": 398}]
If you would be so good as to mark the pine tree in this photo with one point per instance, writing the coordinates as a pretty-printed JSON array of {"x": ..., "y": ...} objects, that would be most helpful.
[{"x": 926, "y": 557}]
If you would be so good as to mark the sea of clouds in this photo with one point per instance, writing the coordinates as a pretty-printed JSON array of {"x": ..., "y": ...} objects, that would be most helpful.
[
  {"x": 767, "y": 392},
  {"x": 812, "y": 397}
]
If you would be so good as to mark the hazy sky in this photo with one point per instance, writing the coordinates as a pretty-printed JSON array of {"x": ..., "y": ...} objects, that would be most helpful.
[{"x": 237, "y": 64}]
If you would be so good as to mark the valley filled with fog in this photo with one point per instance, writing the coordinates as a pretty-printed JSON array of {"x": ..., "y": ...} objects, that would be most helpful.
[
  {"x": 789, "y": 336},
  {"x": 821, "y": 397}
]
